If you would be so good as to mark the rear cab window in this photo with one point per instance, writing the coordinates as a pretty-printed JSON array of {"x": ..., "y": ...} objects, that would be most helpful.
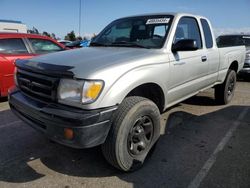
[
  {"x": 207, "y": 33},
  {"x": 42, "y": 46},
  {"x": 13, "y": 46}
]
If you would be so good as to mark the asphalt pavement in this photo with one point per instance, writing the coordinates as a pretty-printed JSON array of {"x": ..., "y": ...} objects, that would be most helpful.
[{"x": 202, "y": 145}]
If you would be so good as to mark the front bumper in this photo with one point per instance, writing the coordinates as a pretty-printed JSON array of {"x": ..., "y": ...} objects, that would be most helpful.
[{"x": 90, "y": 127}]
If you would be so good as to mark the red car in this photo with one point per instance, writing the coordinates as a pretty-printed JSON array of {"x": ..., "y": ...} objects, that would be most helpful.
[{"x": 21, "y": 46}]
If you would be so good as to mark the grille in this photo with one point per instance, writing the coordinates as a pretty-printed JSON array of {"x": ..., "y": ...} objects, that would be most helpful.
[{"x": 37, "y": 85}]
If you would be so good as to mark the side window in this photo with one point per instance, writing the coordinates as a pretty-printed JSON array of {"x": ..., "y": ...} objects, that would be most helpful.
[
  {"x": 188, "y": 28},
  {"x": 42, "y": 46},
  {"x": 12, "y": 46},
  {"x": 207, "y": 33}
]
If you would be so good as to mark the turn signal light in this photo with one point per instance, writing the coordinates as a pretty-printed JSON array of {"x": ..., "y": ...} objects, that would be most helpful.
[{"x": 68, "y": 134}]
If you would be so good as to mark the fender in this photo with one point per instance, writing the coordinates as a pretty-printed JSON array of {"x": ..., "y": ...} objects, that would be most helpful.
[{"x": 134, "y": 78}]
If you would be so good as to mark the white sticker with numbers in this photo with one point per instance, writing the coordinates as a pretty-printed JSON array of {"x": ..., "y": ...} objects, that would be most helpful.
[{"x": 158, "y": 21}]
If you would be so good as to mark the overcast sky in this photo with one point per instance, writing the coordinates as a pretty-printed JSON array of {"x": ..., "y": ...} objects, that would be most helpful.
[{"x": 62, "y": 16}]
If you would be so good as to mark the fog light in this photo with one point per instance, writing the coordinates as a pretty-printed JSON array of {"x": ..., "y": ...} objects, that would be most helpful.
[{"x": 68, "y": 134}]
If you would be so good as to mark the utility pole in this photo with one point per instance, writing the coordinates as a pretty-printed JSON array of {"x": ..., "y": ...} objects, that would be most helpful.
[{"x": 80, "y": 16}]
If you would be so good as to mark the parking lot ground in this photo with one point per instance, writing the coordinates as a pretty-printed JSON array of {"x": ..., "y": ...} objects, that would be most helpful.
[{"x": 202, "y": 145}]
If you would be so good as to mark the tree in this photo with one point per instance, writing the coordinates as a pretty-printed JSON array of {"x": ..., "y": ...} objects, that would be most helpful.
[
  {"x": 45, "y": 33},
  {"x": 33, "y": 31},
  {"x": 53, "y": 35},
  {"x": 79, "y": 38},
  {"x": 70, "y": 36}
]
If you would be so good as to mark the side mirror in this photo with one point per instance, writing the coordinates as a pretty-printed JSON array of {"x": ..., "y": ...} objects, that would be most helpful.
[{"x": 185, "y": 45}]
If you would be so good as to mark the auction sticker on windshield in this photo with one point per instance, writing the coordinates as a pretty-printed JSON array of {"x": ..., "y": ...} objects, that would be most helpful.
[{"x": 158, "y": 21}]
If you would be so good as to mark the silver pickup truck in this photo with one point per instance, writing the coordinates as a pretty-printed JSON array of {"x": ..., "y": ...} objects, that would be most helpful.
[{"x": 112, "y": 93}]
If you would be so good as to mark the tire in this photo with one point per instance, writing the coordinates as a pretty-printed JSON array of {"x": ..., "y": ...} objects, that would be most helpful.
[
  {"x": 135, "y": 129},
  {"x": 224, "y": 92}
]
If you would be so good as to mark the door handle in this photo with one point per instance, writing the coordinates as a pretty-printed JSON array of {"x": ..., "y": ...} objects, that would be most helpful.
[{"x": 204, "y": 58}]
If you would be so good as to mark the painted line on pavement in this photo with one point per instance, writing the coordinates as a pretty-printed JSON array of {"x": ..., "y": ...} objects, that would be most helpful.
[{"x": 195, "y": 183}]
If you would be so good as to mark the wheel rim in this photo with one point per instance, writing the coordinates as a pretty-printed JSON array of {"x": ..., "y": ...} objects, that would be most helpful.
[
  {"x": 231, "y": 86},
  {"x": 140, "y": 135}
]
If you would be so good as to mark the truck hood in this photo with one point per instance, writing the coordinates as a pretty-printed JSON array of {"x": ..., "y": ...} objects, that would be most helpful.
[{"x": 85, "y": 61}]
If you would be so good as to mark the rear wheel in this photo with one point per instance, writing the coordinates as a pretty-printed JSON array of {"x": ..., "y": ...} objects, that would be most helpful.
[
  {"x": 225, "y": 91},
  {"x": 135, "y": 129}
]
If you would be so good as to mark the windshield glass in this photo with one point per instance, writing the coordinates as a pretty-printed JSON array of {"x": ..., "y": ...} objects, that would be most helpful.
[
  {"x": 140, "y": 32},
  {"x": 224, "y": 41}
]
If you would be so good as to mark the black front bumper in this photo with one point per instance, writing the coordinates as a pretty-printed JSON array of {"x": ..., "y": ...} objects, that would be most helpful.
[{"x": 90, "y": 127}]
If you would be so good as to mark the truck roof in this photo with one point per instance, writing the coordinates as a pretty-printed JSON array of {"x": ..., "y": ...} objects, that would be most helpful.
[{"x": 166, "y": 13}]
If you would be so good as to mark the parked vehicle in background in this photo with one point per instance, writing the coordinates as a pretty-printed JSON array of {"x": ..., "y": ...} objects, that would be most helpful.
[
  {"x": 78, "y": 44},
  {"x": 12, "y": 26},
  {"x": 235, "y": 40},
  {"x": 64, "y": 42},
  {"x": 21, "y": 46},
  {"x": 113, "y": 92},
  {"x": 86, "y": 43}
]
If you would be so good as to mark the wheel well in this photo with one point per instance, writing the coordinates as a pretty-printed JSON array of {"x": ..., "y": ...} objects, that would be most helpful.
[
  {"x": 234, "y": 66},
  {"x": 151, "y": 91}
]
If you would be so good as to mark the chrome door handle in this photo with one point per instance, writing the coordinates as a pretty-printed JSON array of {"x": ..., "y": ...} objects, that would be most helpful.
[{"x": 204, "y": 58}]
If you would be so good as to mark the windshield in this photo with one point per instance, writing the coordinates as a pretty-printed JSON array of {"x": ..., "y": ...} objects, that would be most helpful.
[
  {"x": 139, "y": 32},
  {"x": 224, "y": 41}
]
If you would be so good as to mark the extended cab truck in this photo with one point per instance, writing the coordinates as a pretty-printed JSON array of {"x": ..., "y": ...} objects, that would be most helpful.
[
  {"x": 236, "y": 40},
  {"x": 113, "y": 92}
]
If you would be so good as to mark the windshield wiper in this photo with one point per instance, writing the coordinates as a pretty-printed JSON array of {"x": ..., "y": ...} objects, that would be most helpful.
[
  {"x": 128, "y": 44},
  {"x": 97, "y": 44}
]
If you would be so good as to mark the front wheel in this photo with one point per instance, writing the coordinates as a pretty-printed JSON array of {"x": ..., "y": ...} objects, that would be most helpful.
[
  {"x": 135, "y": 129},
  {"x": 225, "y": 91}
]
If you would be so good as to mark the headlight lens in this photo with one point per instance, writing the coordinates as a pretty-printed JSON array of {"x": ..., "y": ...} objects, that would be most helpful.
[
  {"x": 70, "y": 90},
  {"x": 78, "y": 91},
  {"x": 91, "y": 91}
]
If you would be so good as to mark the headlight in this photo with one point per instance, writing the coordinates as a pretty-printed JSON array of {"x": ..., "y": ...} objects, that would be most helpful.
[{"x": 78, "y": 91}]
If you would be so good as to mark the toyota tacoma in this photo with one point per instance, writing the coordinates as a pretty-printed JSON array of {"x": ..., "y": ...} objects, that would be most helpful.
[{"x": 112, "y": 93}]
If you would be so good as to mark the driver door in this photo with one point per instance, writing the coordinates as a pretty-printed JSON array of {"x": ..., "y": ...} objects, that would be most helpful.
[{"x": 187, "y": 68}]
